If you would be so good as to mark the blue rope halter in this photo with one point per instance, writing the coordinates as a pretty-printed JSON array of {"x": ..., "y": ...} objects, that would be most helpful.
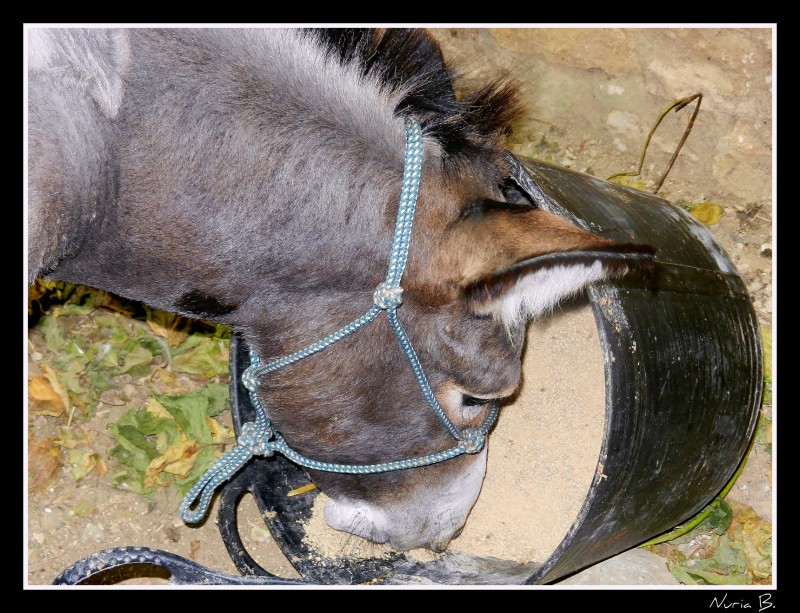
[{"x": 259, "y": 438}]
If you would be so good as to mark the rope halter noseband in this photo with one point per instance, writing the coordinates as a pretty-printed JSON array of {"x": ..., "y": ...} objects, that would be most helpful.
[{"x": 259, "y": 438}]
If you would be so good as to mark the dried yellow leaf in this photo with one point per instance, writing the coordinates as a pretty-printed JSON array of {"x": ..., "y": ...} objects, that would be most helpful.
[
  {"x": 55, "y": 383},
  {"x": 157, "y": 409},
  {"x": 626, "y": 181},
  {"x": 709, "y": 213},
  {"x": 44, "y": 460},
  {"x": 178, "y": 460},
  {"x": 168, "y": 382},
  {"x": 44, "y": 400},
  {"x": 83, "y": 462},
  {"x": 173, "y": 328},
  {"x": 72, "y": 438},
  {"x": 752, "y": 535},
  {"x": 219, "y": 432}
]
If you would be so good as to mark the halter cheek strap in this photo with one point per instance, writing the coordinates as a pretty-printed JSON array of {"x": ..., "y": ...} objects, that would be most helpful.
[{"x": 259, "y": 438}]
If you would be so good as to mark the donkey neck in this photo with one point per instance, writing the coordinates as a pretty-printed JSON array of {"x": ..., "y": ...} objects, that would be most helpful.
[{"x": 279, "y": 172}]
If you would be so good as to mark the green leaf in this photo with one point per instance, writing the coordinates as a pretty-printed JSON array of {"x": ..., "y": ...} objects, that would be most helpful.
[
  {"x": 82, "y": 461},
  {"x": 218, "y": 395},
  {"x": 108, "y": 321},
  {"x": 201, "y": 355},
  {"x": 53, "y": 331},
  {"x": 761, "y": 567},
  {"x": 74, "y": 350},
  {"x": 168, "y": 437},
  {"x": 766, "y": 344},
  {"x": 134, "y": 449},
  {"x": 720, "y": 517},
  {"x": 190, "y": 412},
  {"x": 119, "y": 337},
  {"x": 98, "y": 381},
  {"x": 150, "y": 343},
  {"x": 192, "y": 341},
  {"x": 129, "y": 479},
  {"x": 138, "y": 356},
  {"x": 77, "y": 309},
  {"x": 150, "y": 424},
  {"x": 70, "y": 369},
  {"x": 110, "y": 360},
  {"x": 681, "y": 575},
  {"x": 717, "y": 579},
  {"x": 727, "y": 558}
]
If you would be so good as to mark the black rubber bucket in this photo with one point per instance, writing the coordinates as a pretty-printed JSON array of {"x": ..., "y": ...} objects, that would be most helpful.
[
  {"x": 679, "y": 414},
  {"x": 680, "y": 411}
]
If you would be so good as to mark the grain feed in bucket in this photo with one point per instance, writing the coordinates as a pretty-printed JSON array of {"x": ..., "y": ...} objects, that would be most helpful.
[{"x": 542, "y": 455}]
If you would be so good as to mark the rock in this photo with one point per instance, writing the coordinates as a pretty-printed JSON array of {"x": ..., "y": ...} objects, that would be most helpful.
[
  {"x": 622, "y": 122},
  {"x": 766, "y": 250},
  {"x": 673, "y": 78},
  {"x": 632, "y": 567},
  {"x": 93, "y": 532}
]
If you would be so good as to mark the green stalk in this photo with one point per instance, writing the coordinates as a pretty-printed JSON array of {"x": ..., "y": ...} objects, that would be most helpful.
[{"x": 677, "y": 105}]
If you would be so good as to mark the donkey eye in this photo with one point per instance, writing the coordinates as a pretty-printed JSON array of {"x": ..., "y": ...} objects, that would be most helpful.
[
  {"x": 472, "y": 407},
  {"x": 472, "y": 401}
]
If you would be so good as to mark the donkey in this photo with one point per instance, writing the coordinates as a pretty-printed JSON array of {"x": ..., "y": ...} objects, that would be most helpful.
[{"x": 251, "y": 177}]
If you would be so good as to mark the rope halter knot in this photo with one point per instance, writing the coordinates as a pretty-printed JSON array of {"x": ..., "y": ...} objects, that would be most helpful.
[
  {"x": 254, "y": 440},
  {"x": 387, "y": 296},
  {"x": 472, "y": 440}
]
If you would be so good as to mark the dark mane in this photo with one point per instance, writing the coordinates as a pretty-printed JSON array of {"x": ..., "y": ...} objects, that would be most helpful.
[{"x": 411, "y": 62}]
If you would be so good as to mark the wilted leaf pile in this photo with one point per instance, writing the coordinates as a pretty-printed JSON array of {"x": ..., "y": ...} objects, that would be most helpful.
[
  {"x": 172, "y": 440},
  {"x": 732, "y": 546},
  {"x": 90, "y": 351}
]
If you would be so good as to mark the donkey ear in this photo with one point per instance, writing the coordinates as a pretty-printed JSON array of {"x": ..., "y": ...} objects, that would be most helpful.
[{"x": 521, "y": 261}]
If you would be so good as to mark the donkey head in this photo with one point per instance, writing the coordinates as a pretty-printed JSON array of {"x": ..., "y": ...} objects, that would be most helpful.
[{"x": 475, "y": 279}]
